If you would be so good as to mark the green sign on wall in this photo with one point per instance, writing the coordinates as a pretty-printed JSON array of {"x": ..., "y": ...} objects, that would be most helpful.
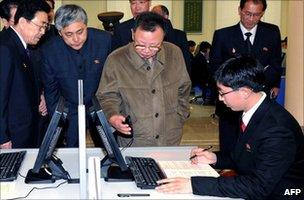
[{"x": 193, "y": 16}]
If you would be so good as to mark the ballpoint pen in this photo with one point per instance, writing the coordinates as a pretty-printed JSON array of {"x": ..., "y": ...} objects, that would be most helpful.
[
  {"x": 133, "y": 195},
  {"x": 206, "y": 149}
]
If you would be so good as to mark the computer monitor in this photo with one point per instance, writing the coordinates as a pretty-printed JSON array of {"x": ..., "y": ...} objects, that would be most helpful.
[
  {"x": 113, "y": 166},
  {"x": 48, "y": 168}
]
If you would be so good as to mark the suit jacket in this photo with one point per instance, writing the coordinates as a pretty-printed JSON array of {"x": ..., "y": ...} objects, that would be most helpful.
[
  {"x": 268, "y": 156},
  {"x": 122, "y": 34},
  {"x": 180, "y": 39},
  {"x": 18, "y": 93},
  {"x": 63, "y": 66},
  {"x": 157, "y": 100},
  {"x": 229, "y": 42},
  {"x": 200, "y": 71}
]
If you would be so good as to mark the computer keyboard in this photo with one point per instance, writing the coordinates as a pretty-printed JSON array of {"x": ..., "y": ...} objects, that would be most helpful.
[
  {"x": 145, "y": 171},
  {"x": 10, "y": 164}
]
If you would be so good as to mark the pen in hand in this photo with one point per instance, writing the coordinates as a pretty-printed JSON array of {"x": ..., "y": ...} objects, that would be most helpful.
[
  {"x": 206, "y": 149},
  {"x": 133, "y": 195}
]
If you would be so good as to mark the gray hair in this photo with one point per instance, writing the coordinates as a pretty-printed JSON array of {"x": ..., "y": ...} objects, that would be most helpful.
[{"x": 68, "y": 14}]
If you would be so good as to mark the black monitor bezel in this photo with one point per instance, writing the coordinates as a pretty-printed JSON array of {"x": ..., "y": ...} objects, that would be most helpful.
[
  {"x": 47, "y": 167},
  {"x": 114, "y": 155},
  {"x": 50, "y": 139}
]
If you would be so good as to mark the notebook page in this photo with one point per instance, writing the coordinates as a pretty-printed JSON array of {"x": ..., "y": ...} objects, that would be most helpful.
[{"x": 186, "y": 169}]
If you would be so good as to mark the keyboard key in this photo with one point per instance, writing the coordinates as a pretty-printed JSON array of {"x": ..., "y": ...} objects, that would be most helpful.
[
  {"x": 145, "y": 171},
  {"x": 10, "y": 164}
]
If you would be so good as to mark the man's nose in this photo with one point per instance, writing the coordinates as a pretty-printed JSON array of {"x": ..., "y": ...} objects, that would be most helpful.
[{"x": 75, "y": 38}]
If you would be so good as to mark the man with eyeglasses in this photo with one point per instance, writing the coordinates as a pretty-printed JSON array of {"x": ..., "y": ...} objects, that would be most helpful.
[
  {"x": 269, "y": 154},
  {"x": 78, "y": 52},
  {"x": 253, "y": 37},
  {"x": 19, "y": 98},
  {"x": 148, "y": 81}
]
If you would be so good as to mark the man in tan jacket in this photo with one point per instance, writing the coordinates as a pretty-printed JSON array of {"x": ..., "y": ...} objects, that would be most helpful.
[{"x": 147, "y": 80}]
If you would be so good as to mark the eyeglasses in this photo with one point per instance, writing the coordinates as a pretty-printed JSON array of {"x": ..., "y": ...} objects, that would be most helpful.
[
  {"x": 223, "y": 94},
  {"x": 45, "y": 26},
  {"x": 143, "y": 47},
  {"x": 249, "y": 14}
]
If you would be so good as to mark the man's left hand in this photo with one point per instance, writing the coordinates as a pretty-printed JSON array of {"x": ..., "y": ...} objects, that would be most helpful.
[
  {"x": 175, "y": 185},
  {"x": 42, "y": 106}
]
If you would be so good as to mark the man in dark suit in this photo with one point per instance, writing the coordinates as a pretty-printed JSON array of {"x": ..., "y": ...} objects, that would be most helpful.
[
  {"x": 18, "y": 94},
  {"x": 123, "y": 32},
  {"x": 175, "y": 36},
  {"x": 200, "y": 72},
  {"x": 264, "y": 44},
  {"x": 78, "y": 53},
  {"x": 269, "y": 154}
]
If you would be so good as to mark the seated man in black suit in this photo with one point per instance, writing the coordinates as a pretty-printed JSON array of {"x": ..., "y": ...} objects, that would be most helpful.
[{"x": 269, "y": 154}]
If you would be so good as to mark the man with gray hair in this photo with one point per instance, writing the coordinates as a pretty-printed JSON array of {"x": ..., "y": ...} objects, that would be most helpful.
[{"x": 78, "y": 52}]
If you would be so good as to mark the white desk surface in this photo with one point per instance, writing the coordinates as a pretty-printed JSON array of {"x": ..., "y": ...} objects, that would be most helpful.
[{"x": 69, "y": 156}]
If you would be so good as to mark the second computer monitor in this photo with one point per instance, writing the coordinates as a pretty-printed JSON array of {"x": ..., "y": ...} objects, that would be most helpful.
[{"x": 114, "y": 156}]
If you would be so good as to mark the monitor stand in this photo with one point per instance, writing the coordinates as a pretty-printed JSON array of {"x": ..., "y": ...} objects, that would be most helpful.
[
  {"x": 48, "y": 174},
  {"x": 112, "y": 172}
]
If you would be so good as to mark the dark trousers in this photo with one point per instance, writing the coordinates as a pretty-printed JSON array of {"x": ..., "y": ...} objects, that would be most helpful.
[{"x": 71, "y": 132}]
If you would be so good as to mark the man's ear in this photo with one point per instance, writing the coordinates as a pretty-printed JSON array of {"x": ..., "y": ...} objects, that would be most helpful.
[
  {"x": 22, "y": 21},
  {"x": 239, "y": 10},
  {"x": 246, "y": 92}
]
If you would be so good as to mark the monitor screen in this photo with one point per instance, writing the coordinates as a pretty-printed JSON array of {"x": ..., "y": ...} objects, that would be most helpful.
[
  {"x": 48, "y": 167},
  {"x": 113, "y": 154}
]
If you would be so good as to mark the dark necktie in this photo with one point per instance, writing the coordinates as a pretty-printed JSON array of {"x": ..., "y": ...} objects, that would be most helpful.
[{"x": 248, "y": 43}]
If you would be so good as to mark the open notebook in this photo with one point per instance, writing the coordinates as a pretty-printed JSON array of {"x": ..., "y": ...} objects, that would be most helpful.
[{"x": 186, "y": 169}]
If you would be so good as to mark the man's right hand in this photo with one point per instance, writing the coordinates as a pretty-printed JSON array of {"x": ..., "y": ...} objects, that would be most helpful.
[
  {"x": 117, "y": 121},
  {"x": 7, "y": 145},
  {"x": 202, "y": 156}
]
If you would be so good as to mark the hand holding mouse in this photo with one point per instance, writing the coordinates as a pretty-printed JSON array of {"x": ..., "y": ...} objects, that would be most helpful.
[{"x": 119, "y": 123}]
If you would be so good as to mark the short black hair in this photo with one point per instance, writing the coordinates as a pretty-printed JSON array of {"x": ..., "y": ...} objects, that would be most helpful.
[
  {"x": 191, "y": 43},
  {"x": 5, "y": 8},
  {"x": 149, "y": 21},
  {"x": 242, "y": 71},
  {"x": 204, "y": 46},
  {"x": 28, "y": 9},
  {"x": 164, "y": 9},
  {"x": 242, "y": 3}
]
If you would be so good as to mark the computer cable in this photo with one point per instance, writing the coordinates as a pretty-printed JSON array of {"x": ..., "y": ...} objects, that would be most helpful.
[{"x": 37, "y": 188}]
